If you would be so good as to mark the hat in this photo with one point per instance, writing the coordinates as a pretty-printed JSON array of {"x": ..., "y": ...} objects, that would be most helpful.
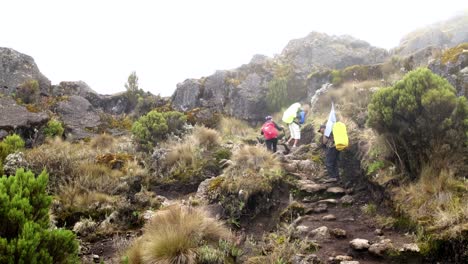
[
  {"x": 268, "y": 118},
  {"x": 321, "y": 126}
]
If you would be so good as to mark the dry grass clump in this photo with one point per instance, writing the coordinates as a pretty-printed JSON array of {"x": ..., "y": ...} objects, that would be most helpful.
[
  {"x": 438, "y": 201},
  {"x": 102, "y": 141},
  {"x": 77, "y": 177},
  {"x": 233, "y": 128},
  {"x": 206, "y": 137},
  {"x": 253, "y": 169},
  {"x": 176, "y": 235},
  {"x": 351, "y": 99},
  {"x": 281, "y": 247},
  {"x": 181, "y": 154}
]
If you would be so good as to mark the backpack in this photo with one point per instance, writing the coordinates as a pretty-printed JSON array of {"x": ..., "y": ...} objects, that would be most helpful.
[
  {"x": 301, "y": 117},
  {"x": 340, "y": 136},
  {"x": 269, "y": 130}
]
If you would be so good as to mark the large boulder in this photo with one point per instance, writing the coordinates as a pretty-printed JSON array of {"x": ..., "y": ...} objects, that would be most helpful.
[
  {"x": 79, "y": 117},
  {"x": 319, "y": 50},
  {"x": 16, "y": 118},
  {"x": 453, "y": 66},
  {"x": 240, "y": 93},
  {"x": 17, "y": 68}
]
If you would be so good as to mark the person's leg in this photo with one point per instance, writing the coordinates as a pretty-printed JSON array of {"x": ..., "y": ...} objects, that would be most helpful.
[
  {"x": 329, "y": 157},
  {"x": 269, "y": 144},
  {"x": 337, "y": 169},
  {"x": 274, "y": 143}
]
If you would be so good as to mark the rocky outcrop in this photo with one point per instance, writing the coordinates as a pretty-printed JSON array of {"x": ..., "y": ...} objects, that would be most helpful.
[
  {"x": 79, "y": 117},
  {"x": 443, "y": 35},
  {"x": 319, "y": 50},
  {"x": 17, "y": 118},
  {"x": 453, "y": 66},
  {"x": 17, "y": 68},
  {"x": 242, "y": 92}
]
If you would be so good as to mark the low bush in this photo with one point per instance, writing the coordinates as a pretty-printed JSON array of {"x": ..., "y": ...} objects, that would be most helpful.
[
  {"x": 102, "y": 141},
  {"x": 206, "y": 137},
  {"x": 154, "y": 127},
  {"x": 54, "y": 128},
  {"x": 10, "y": 144},
  {"x": 420, "y": 117},
  {"x": 179, "y": 235},
  {"x": 25, "y": 234}
]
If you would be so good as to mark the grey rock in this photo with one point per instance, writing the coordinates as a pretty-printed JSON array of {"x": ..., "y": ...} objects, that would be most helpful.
[
  {"x": 79, "y": 117},
  {"x": 302, "y": 229},
  {"x": 336, "y": 190},
  {"x": 329, "y": 201},
  {"x": 321, "y": 50},
  {"x": 455, "y": 72},
  {"x": 3, "y": 134},
  {"x": 349, "y": 262},
  {"x": 443, "y": 34},
  {"x": 329, "y": 217},
  {"x": 317, "y": 209},
  {"x": 310, "y": 186},
  {"x": 381, "y": 247},
  {"x": 359, "y": 244},
  {"x": 16, "y": 117},
  {"x": 412, "y": 247},
  {"x": 320, "y": 233},
  {"x": 338, "y": 232},
  {"x": 378, "y": 232},
  {"x": 347, "y": 200},
  {"x": 17, "y": 68}
]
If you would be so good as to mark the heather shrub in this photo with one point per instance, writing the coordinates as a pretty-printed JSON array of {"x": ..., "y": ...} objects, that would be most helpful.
[
  {"x": 10, "y": 144},
  {"x": 53, "y": 129},
  {"x": 25, "y": 234},
  {"x": 420, "y": 116},
  {"x": 154, "y": 127}
]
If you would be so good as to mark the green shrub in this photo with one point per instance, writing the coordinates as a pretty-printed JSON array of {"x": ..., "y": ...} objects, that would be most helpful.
[
  {"x": 154, "y": 127},
  {"x": 422, "y": 120},
  {"x": 25, "y": 236},
  {"x": 149, "y": 129},
  {"x": 10, "y": 144},
  {"x": 375, "y": 166},
  {"x": 53, "y": 129}
]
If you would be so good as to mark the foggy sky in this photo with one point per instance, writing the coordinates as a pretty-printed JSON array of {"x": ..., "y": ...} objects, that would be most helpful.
[{"x": 102, "y": 41}]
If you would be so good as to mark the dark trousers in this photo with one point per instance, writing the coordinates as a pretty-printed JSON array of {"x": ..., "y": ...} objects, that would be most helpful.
[
  {"x": 331, "y": 162},
  {"x": 271, "y": 144}
]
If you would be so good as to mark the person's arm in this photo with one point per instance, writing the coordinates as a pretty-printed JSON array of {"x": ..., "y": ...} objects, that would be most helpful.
[
  {"x": 278, "y": 127},
  {"x": 324, "y": 139}
]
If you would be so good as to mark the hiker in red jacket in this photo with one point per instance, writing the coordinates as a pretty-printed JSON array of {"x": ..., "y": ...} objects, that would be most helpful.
[{"x": 270, "y": 132}]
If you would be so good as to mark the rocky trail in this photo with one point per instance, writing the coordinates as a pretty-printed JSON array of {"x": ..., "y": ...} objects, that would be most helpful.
[{"x": 315, "y": 208}]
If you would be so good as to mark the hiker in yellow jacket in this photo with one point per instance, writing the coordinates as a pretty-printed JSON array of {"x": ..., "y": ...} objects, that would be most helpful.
[{"x": 332, "y": 155}]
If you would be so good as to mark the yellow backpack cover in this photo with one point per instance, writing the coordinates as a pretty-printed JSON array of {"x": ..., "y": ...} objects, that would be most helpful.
[{"x": 340, "y": 135}]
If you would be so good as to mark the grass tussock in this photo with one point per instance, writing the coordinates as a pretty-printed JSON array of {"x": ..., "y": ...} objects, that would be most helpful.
[
  {"x": 177, "y": 234},
  {"x": 253, "y": 169},
  {"x": 351, "y": 100},
  {"x": 438, "y": 201},
  {"x": 232, "y": 128},
  {"x": 77, "y": 178},
  {"x": 206, "y": 137},
  {"x": 103, "y": 141}
]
